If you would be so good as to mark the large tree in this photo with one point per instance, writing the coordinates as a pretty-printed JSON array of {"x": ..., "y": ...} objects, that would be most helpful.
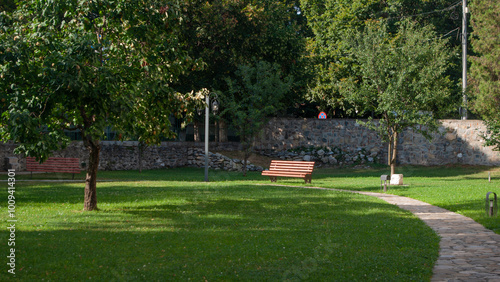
[
  {"x": 84, "y": 65},
  {"x": 333, "y": 21},
  {"x": 485, "y": 68},
  {"x": 402, "y": 78},
  {"x": 226, "y": 34}
]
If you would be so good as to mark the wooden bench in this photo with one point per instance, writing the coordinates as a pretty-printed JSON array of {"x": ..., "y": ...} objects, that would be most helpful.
[
  {"x": 290, "y": 169},
  {"x": 63, "y": 165}
]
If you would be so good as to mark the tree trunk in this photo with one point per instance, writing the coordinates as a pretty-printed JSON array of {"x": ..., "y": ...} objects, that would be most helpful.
[
  {"x": 196, "y": 130},
  {"x": 245, "y": 160},
  {"x": 141, "y": 149},
  {"x": 394, "y": 152},
  {"x": 245, "y": 145},
  {"x": 222, "y": 131},
  {"x": 389, "y": 152},
  {"x": 216, "y": 132},
  {"x": 90, "y": 200}
]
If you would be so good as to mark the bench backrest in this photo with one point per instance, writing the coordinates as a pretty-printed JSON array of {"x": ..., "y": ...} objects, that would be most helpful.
[
  {"x": 295, "y": 166},
  {"x": 67, "y": 165}
]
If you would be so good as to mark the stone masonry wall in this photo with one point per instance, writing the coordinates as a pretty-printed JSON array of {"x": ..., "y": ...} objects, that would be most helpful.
[
  {"x": 457, "y": 142},
  {"x": 196, "y": 158},
  {"x": 117, "y": 155}
]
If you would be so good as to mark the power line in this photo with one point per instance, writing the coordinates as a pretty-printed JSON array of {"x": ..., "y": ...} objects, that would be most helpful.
[
  {"x": 450, "y": 32},
  {"x": 458, "y": 3}
]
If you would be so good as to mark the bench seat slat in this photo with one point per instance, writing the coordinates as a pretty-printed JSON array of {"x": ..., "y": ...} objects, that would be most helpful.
[
  {"x": 287, "y": 171},
  {"x": 290, "y": 175},
  {"x": 290, "y": 168},
  {"x": 283, "y": 173},
  {"x": 293, "y": 166},
  {"x": 292, "y": 162},
  {"x": 294, "y": 170}
]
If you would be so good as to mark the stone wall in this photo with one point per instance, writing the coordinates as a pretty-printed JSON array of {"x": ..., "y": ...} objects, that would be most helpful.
[
  {"x": 342, "y": 140},
  {"x": 457, "y": 142},
  {"x": 326, "y": 156},
  {"x": 117, "y": 155},
  {"x": 196, "y": 158}
]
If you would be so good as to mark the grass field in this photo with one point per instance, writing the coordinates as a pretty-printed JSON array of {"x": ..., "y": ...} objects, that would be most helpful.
[
  {"x": 169, "y": 225},
  {"x": 459, "y": 189}
]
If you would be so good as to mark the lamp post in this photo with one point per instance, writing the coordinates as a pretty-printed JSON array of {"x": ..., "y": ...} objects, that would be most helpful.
[
  {"x": 215, "y": 109},
  {"x": 464, "y": 59}
]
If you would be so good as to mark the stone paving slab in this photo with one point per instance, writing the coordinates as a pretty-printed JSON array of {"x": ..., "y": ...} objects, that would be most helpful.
[{"x": 468, "y": 251}]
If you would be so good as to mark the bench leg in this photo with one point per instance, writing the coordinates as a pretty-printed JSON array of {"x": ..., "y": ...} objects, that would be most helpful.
[
  {"x": 273, "y": 178},
  {"x": 308, "y": 178}
]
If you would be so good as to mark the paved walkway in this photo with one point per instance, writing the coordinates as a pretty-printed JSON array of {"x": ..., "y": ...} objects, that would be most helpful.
[{"x": 468, "y": 251}]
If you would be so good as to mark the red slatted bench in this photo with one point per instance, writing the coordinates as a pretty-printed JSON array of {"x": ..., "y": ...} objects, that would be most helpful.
[
  {"x": 63, "y": 165},
  {"x": 290, "y": 169}
]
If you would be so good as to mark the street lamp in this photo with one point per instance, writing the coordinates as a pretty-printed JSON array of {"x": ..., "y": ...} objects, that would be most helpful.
[{"x": 215, "y": 109}]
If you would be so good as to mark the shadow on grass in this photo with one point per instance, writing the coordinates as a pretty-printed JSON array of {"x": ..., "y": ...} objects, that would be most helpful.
[
  {"x": 235, "y": 232},
  {"x": 407, "y": 171},
  {"x": 187, "y": 174},
  {"x": 182, "y": 174}
]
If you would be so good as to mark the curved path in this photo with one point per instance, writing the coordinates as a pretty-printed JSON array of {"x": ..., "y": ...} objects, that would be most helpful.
[{"x": 468, "y": 251}]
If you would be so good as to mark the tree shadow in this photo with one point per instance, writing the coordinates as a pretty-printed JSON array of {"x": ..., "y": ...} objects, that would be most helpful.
[{"x": 272, "y": 233}]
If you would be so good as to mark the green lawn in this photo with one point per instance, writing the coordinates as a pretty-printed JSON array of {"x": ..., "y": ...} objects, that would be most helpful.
[
  {"x": 458, "y": 189},
  {"x": 169, "y": 225}
]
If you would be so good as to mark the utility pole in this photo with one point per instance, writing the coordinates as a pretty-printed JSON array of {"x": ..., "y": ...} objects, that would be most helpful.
[{"x": 464, "y": 59}]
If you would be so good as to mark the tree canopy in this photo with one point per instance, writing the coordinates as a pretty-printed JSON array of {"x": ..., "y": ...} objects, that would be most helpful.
[
  {"x": 485, "y": 67},
  {"x": 227, "y": 34},
  {"x": 334, "y": 21},
  {"x": 256, "y": 92},
  {"x": 85, "y": 65},
  {"x": 402, "y": 78}
]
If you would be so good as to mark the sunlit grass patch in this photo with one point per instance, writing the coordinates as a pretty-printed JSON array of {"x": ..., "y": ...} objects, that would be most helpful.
[{"x": 228, "y": 230}]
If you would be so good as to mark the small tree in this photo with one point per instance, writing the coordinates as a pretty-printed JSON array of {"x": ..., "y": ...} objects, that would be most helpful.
[
  {"x": 334, "y": 21},
  {"x": 255, "y": 94},
  {"x": 485, "y": 67},
  {"x": 401, "y": 79},
  {"x": 84, "y": 65}
]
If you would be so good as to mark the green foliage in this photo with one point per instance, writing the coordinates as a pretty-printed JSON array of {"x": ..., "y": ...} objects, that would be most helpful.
[
  {"x": 7, "y": 5},
  {"x": 402, "y": 78},
  {"x": 492, "y": 137},
  {"x": 485, "y": 67},
  {"x": 256, "y": 93},
  {"x": 333, "y": 23},
  {"x": 86, "y": 65},
  {"x": 226, "y": 34}
]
